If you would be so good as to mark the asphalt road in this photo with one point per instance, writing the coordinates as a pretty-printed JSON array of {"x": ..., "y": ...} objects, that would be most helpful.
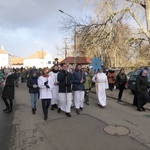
[
  {"x": 80, "y": 132},
  {"x": 6, "y": 127}
]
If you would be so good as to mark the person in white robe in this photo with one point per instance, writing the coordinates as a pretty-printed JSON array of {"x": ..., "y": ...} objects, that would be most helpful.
[
  {"x": 101, "y": 84},
  {"x": 54, "y": 100},
  {"x": 65, "y": 90},
  {"x": 45, "y": 84},
  {"x": 78, "y": 87}
]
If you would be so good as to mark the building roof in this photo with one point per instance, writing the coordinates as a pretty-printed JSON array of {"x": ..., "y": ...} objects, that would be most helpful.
[
  {"x": 77, "y": 60},
  {"x": 3, "y": 52},
  {"x": 17, "y": 60},
  {"x": 37, "y": 54}
]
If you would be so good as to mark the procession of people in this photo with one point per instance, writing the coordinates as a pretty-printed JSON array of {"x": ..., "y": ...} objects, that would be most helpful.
[{"x": 63, "y": 88}]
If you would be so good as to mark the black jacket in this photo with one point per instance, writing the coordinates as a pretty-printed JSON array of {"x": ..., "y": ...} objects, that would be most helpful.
[
  {"x": 121, "y": 79},
  {"x": 9, "y": 88},
  {"x": 65, "y": 82},
  {"x": 141, "y": 84}
]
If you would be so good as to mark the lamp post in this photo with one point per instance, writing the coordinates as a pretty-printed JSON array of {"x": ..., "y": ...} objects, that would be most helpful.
[{"x": 75, "y": 40}]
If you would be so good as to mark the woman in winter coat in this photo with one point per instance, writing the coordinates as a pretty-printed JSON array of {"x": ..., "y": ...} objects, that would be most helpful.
[
  {"x": 8, "y": 90},
  {"x": 45, "y": 83},
  {"x": 121, "y": 81},
  {"x": 32, "y": 84},
  {"x": 111, "y": 79},
  {"x": 141, "y": 86}
]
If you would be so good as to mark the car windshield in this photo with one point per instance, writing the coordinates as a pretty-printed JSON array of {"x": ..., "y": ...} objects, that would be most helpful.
[{"x": 133, "y": 77}]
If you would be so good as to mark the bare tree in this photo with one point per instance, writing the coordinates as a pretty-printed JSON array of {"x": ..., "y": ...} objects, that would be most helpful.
[{"x": 108, "y": 33}]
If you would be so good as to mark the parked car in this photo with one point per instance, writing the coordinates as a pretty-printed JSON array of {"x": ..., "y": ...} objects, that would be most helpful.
[
  {"x": 129, "y": 74},
  {"x": 132, "y": 79}
]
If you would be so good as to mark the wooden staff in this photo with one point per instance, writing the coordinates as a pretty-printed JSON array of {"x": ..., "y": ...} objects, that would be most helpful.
[{"x": 66, "y": 87}]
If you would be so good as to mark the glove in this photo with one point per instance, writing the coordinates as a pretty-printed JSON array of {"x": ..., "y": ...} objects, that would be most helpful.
[
  {"x": 34, "y": 86},
  {"x": 45, "y": 83},
  {"x": 47, "y": 86}
]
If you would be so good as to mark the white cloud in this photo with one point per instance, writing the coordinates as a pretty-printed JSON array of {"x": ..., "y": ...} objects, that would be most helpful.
[{"x": 22, "y": 22}]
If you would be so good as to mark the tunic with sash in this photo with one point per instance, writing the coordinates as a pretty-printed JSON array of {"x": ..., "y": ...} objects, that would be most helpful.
[
  {"x": 101, "y": 84},
  {"x": 55, "y": 89}
]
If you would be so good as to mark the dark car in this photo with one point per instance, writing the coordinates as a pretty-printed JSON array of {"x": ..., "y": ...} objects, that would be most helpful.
[
  {"x": 131, "y": 83},
  {"x": 132, "y": 79}
]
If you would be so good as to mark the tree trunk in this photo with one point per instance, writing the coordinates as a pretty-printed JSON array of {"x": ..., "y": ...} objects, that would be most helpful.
[{"x": 148, "y": 13}]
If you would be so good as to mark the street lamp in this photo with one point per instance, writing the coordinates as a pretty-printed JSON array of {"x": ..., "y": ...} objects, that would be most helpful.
[{"x": 75, "y": 40}]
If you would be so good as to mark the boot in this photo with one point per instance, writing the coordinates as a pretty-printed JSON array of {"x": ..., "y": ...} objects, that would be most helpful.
[
  {"x": 55, "y": 105},
  {"x": 6, "y": 109},
  {"x": 52, "y": 107},
  {"x": 7, "y": 105},
  {"x": 33, "y": 110},
  {"x": 11, "y": 105},
  {"x": 45, "y": 117},
  {"x": 10, "y": 110}
]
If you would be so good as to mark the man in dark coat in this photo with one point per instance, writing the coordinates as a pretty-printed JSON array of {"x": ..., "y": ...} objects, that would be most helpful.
[
  {"x": 8, "y": 90},
  {"x": 65, "y": 90}
]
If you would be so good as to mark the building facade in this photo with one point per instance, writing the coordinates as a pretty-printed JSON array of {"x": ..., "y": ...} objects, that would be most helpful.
[
  {"x": 5, "y": 59},
  {"x": 39, "y": 59}
]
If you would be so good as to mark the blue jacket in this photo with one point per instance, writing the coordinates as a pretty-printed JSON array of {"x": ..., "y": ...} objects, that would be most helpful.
[
  {"x": 30, "y": 82},
  {"x": 77, "y": 77}
]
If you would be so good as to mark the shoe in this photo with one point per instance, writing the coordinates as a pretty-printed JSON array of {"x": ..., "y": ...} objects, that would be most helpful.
[
  {"x": 59, "y": 110},
  {"x": 33, "y": 110},
  {"x": 6, "y": 109},
  {"x": 78, "y": 111},
  {"x": 55, "y": 106},
  {"x": 9, "y": 111},
  {"x": 45, "y": 117},
  {"x": 139, "y": 109},
  {"x": 68, "y": 114},
  {"x": 52, "y": 108},
  {"x": 87, "y": 103},
  {"x": 119, "y": 100},
  {"x": 81, "y": 108},
  {"x": 143, "y": 108}
]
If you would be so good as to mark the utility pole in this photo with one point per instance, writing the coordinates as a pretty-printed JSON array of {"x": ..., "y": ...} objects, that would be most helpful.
[{"x": 66, "y": 47}]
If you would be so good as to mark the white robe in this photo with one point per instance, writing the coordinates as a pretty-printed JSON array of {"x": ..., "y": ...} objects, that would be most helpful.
[
  {"x": 101, "y": 84},
  {"x": 45, "y": 93},
  {"x": 65, "y": 101},
  {"x": 55, "y": 91}
]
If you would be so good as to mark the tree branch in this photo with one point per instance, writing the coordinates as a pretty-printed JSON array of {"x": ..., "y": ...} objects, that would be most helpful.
[{"x": 138, "y": 2}]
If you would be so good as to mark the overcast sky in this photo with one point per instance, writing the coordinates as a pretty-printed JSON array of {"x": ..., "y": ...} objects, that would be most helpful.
[{"x": 30, "y": 25}]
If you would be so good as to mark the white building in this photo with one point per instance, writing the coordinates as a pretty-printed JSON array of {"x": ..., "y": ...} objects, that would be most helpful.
[
  {"x": 5, "y": 59},
  {"x": 39, "y": 59}
]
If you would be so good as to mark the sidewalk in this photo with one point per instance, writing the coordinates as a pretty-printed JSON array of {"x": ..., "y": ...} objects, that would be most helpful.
[{"x": 127, "y": 96}]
